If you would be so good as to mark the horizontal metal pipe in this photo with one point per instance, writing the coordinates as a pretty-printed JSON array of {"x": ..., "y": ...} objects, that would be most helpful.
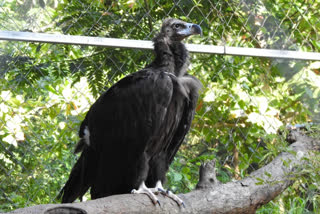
[{"x": 141, "y": 44}]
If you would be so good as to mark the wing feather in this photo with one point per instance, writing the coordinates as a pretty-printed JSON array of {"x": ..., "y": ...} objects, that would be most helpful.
[{"x": 122, "y": 122}]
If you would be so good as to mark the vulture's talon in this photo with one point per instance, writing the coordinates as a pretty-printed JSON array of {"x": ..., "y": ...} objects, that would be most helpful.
[
  {"x": 144, "y": 190},
  {"x": 175, "y": 198},
  {"x": 168, "y": 193}
]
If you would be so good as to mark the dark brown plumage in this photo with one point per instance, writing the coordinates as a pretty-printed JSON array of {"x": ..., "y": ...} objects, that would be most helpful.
[{"x": 132, "y": 132}]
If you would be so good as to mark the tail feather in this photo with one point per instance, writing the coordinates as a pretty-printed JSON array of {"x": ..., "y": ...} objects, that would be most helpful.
[{"x": 79, "y": 180}]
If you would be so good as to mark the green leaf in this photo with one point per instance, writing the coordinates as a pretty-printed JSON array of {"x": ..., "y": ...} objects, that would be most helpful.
[{"x": 177, "y": 177}]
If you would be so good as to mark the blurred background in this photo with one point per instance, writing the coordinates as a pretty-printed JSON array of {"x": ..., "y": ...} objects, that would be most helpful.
[{"x": 242, "y": 114}]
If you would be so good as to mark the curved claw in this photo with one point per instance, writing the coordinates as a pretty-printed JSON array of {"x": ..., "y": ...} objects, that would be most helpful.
[
  {"x": 162, "y": 191},
  {"x": 183, "y": 204},
  {"x": 175, "y": 198},
  {"x": 168, "y": 193}
]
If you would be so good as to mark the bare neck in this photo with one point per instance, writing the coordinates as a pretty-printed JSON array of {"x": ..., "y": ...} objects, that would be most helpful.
[{"x": 171, "y": 56}]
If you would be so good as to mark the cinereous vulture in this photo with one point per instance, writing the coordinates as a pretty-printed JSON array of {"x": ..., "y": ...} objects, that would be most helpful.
[{"x": 131, "y": 134}]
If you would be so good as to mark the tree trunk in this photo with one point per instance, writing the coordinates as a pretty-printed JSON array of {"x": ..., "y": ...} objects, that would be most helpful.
[{"x": 243, "y": 196}]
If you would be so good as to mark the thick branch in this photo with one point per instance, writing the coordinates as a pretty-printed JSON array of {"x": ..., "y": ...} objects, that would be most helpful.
[{"x": 243, "y": 196}]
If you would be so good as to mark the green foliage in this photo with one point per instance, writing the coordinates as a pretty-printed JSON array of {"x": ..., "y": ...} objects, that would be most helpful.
[
  {"x": 244, "y": 106},
  {"x": 305, "y": 187},
  {"x": 34, "y": 160}
]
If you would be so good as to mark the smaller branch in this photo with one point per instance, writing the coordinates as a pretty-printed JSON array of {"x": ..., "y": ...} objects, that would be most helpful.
[{"x": 207, "y": 176}]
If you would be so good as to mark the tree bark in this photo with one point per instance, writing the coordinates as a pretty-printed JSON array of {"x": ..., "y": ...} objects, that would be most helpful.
[{"x": 243, "y": 196}]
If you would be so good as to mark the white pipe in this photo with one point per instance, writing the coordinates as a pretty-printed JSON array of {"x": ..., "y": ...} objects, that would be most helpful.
[{"x": 141, "y": 44}]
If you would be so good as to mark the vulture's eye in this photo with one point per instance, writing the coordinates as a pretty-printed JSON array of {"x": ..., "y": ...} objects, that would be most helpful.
[{"x": 177, "y": 26}]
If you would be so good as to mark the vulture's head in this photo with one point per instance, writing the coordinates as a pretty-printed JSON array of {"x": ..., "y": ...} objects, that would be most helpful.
[{"x": 177, "y": 30}]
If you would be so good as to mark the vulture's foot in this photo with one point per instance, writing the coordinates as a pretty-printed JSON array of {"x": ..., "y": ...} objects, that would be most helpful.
[
  {"x": 143, "y": 189},
  {"x": 168, "y": 193}
]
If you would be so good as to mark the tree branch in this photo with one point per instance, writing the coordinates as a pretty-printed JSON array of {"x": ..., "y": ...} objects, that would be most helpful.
[{"x": 243, "y": 196}]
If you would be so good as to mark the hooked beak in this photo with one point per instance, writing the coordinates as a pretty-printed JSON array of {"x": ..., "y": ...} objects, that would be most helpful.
[{"x": 191, "y": 29}]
